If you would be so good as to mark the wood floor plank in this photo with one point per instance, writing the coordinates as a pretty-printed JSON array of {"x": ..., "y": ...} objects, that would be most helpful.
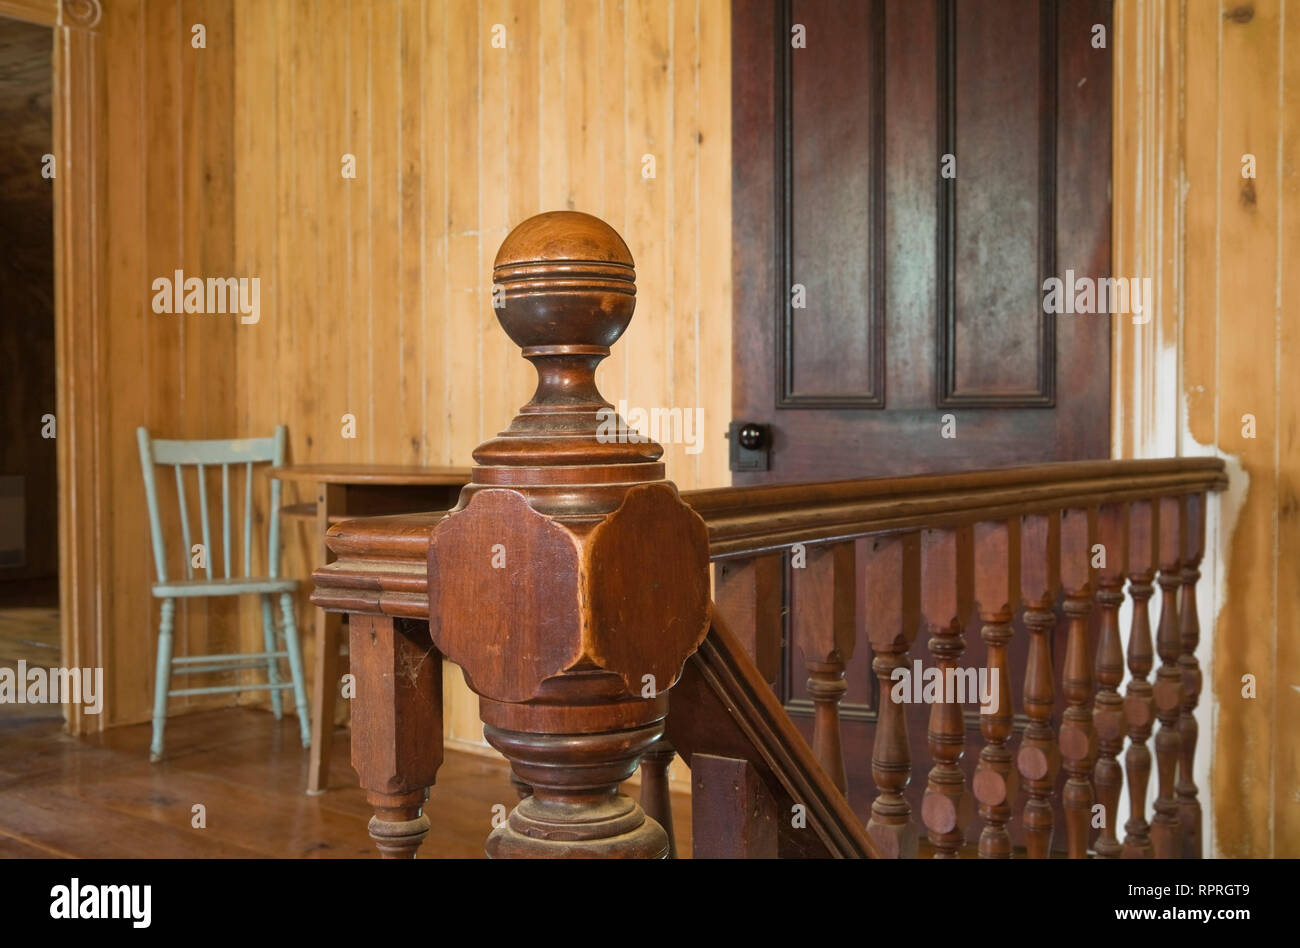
[{"x": 101, "y": 798}]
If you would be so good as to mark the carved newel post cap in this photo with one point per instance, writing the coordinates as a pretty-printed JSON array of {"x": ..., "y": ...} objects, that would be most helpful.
[
  {"x": 571, "y": 583},
  {"x": 564, "y": 289}
]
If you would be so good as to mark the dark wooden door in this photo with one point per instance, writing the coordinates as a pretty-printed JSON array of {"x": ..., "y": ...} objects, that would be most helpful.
[
  {"x": 873, "y": 295},
  {"x": 881, "y": 305}
]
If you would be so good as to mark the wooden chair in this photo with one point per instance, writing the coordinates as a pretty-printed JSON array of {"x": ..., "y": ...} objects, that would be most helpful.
[{"x": 203, "y": 455}]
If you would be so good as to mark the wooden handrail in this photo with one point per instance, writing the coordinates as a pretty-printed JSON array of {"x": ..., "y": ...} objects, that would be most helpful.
[
  {"x": 748, "y": 521},
  {"x": 381, "y": 566}
]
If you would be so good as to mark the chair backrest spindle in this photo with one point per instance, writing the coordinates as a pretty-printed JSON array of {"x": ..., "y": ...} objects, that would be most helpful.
[
  {"x": 203, "y": 516},
  {"x": 225, "y": 517},
  {"x": 272, "y": 514},
  {"x": 185, "y": 521},
  {"x": 248, "y": 519}
]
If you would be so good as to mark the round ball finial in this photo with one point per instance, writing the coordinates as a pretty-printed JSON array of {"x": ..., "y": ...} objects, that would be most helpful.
[
  {"x": 562, "y": 235},
  {"x": 564, "y": 292},
  {"x": 568, "y": 280}
]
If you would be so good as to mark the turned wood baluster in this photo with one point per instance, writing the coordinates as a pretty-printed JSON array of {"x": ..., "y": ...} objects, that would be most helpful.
[
  {"x": 1169, "y": 685},
  {"x": 946, "y": 804},
  {"x": 1078, "y": 739},
  {"x": 1108, "y": 709},
  {"x": 656, "y": 797},
  {"x": 396, "y": 726},
  {"x": 1038, "y": 759},
  {"x": 824, "y": 604},
  {"x": 747, "y": 593},
  {"x": 995, "y": 782},
  {"x": 571, "y": 582},
  {"x": 1189, "y": 808},
  {"x": 892, "y": 576},
  {"x": 1139, "y": 703}
]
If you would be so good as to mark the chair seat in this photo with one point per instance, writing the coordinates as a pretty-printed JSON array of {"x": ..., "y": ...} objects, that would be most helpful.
[{"x": 236, "y": 586}]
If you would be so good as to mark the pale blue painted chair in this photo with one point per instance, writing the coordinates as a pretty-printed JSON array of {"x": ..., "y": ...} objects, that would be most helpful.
[{"x": 203, "y": 455}]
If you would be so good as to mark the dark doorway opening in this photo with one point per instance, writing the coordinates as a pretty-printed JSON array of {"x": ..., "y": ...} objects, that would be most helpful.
[{"x": 29, "y": 553}]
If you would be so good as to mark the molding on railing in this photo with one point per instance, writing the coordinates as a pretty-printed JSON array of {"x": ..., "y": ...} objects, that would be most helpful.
[{"x": 746, "y": 521}]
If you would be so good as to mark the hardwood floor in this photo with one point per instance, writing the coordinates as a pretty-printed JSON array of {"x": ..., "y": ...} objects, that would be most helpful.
[
  {"x": 29, "y": 623},
  {"x": 100, "y": 797}
]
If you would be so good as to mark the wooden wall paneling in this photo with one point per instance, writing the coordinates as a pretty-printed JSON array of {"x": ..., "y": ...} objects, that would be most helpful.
[
  {"x": 508, "y": 156},
  {"x": 384, "y": 143},
  {"x": 277, "y": 402},
  {"x": 280, "y": 401},
  {"x": 255, "y": 107},
  {"x": 299, "y": 299},
  {"x": 357, "y": 308},
  {"x": 161, "y": 335},
  {"x": 330, "y": 359},
  {"x": 536, "y": 44},
  {"x": 464, "y": 314},
  {"x": 413, "y": 351},
  {"x": 334, "y": 319},
  {"x": 1286, "y": 807},
  {"x": 553, "y": 90},
  {"x": 1144, "y": 176},
  {"x": 714, "y": 345},
  {"x": 436, "y": 274},
  {"x": 617, "y": 162},
  {"x": 1248, "y": 246},
  {"x": 460, "y": 714},
  {"x": 683, "y": 203},
  {"x": 1199, "y": 301},
  {"x": 463, "y": 400},
  {"x": 649, "y": 132},
  {"x": 585, "y": 90},
  {"x": 207, "y": 249},
  {"x": 361, "y": 56},
  {"x": 212, "y": 185}
]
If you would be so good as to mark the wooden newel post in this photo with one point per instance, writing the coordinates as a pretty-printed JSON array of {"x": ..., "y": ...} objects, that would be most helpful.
[{"x": 570, "y": 583}]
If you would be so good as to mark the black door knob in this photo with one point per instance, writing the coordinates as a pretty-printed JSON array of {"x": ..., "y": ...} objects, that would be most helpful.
[{"x": 750, "y": 436}]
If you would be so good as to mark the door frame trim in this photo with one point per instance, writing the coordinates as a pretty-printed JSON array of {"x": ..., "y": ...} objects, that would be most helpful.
[{"x": 77, "y": 106}]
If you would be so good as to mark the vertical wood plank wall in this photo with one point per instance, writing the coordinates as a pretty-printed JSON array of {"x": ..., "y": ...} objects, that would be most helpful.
[
  {"x": 1199, "y": 84},
  {"x": 375, "y": 290},
  {"x": 167, "y": 205}
]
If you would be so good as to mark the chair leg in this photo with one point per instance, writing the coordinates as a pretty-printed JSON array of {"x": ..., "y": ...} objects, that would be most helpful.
[
  {"x": 162, "y": 678},
  {"x": 295, "y": 667},
  {"x": 272, "y": 666}
]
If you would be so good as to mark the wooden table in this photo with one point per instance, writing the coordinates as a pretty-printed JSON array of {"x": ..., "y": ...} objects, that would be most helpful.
[{"x": 345, "y": 491}]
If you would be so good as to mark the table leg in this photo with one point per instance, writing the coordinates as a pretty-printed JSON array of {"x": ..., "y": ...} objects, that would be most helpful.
[
  {"x": 330, "y": 501},
  {"x": 396, "y": 726}
]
